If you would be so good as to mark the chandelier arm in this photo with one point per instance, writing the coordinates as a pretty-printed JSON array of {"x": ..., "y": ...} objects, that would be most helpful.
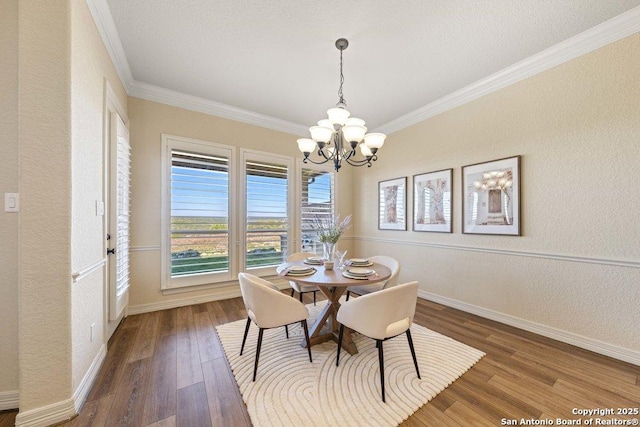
[
  {"x": 308, "y": 159},
  {"x": 367, "y": 161},
  {"x": 324, "y": 155},
  {"x": 349, "y": 153}
]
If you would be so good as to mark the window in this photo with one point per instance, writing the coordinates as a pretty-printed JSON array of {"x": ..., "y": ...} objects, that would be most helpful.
[
  {"x": 317, "y": 199},
  {"x": 266, "y": 208},
  {"x": 223, "y": 215},
  {"x": 197, "y": 249}
]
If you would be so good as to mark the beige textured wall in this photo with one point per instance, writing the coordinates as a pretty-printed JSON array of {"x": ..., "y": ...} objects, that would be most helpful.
[
  {"x": 45, "y": 213},
  {"x": 8, "y": 184},
  {"x": 90, "y": 65},
  {"x": 149, "y": 120},
  {"x": 577, "y": 129}
]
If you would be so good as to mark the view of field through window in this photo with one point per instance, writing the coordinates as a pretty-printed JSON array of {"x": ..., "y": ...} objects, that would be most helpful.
[{"x": 200, "y": 205}]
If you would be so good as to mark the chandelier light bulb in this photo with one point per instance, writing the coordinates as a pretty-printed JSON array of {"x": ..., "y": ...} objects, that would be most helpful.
[
  {"x": 354, "y": 121},
  {"x": 338, "y": 116},
  {"x": 306, "y": 145},
  {"x": 365, "y": 150},
  {"x": 374, "y": 140},
  {"x": 321, "y": 134},
  {"x": 353, "y": 133},
  {"x": 325, "y": 123}
]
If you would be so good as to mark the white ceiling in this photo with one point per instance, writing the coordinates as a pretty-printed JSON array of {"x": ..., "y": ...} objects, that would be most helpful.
[{"x": 278, "y": 59}]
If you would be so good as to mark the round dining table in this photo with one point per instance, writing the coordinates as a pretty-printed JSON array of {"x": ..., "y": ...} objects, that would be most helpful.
[{"x": 333, "y": 285}]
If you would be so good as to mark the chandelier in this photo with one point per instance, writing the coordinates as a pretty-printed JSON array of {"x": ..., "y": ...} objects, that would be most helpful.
[
  {"x": 337, "y": 137},
  {"x": 495, "y": 180}
]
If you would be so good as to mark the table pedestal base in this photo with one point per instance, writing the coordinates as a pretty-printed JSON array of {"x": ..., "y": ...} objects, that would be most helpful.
[{"x": 326, "y": 327}]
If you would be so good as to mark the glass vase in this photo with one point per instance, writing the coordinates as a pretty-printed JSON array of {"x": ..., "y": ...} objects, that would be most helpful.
[{"x": 329, "y": 250}]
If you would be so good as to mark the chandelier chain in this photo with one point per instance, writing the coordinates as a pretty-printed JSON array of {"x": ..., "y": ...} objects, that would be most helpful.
[{"x": 340, "y": 95}]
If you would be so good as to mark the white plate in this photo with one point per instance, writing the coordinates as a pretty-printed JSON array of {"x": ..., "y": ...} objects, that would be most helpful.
[
  {"x": 301, "y": 273},
  {"x": 299, "y": 269},
  {"x": 360, "y": 262},
  {"x": 355, "y": 271},
  {"x": 314, "y": 261},
  {"x": 350, "y": 276}
]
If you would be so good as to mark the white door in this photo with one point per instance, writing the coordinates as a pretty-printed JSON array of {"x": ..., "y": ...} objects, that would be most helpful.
[{"x": 118, "y": 235}]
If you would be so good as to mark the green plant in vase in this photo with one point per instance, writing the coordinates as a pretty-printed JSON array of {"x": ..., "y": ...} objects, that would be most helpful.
[{"x": 329, "y": 229}]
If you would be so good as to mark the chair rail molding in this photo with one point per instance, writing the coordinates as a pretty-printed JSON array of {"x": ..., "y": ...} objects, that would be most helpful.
[
  {"x": 145, "y": 248},
  {"x": 547, "y": 255},
  {"x": 87, "y": 270}
]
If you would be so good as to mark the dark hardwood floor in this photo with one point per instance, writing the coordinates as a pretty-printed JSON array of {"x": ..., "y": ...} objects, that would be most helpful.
[{"x": 167, "y": 368}]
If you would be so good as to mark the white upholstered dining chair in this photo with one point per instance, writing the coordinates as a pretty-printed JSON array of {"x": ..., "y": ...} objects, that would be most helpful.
[
  {"x": 296, "y": 287},
  {"x": 381, "y": 315},
  {"x": 388, "y": 262},
  {"x": 268, "y": 308}
]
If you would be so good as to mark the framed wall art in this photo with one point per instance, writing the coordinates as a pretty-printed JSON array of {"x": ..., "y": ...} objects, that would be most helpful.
[
  {"x": 491, "y": 197},
  {"x": 392, "y": 204},
  {"x": 432, "y": 201}
]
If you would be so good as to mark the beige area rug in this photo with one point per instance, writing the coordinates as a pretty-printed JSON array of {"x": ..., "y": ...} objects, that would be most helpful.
[{"x": 290, "y": 391}]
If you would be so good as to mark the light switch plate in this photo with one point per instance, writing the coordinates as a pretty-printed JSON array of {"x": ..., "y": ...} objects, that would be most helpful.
[{"x": 11, "y": 202}]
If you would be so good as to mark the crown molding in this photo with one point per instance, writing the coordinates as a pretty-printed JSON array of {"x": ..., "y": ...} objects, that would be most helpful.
[
  {"x": 202, "y": 105},
  {"x": 107, "y": 28},
  {"x": 617, "y": 28}
]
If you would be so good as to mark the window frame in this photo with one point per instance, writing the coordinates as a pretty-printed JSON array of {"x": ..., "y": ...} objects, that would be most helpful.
[
  {"x": 298, "y": 206},
  {"x": 261, "y": 156},
  {"x": 167, "y": 282}
]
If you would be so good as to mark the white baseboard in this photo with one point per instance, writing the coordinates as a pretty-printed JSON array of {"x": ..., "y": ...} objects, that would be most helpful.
[
  {"x": 66, "y": 409},
  {"x": 46, "y": 415},
  {"x": 81, "y": 393},
  {"x": 181, "y": 302},
  {"x": 620, "y": 353},
  {"x": 9, "y": 400}
]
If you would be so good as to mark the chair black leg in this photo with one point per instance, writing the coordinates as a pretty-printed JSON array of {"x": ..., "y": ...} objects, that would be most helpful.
[
  {"x": 314, "y": 297},
  {"x": 292, "y": 292},
  {"x": 255, "y": 367},
  {"x": 348, "y": 293},
  {"x": 300, "y": 296},
  {"x": 340, "y": 335},
  {"x": 306, "y": 336},
  {"x": 381, "y": 359},
  {"x": 244, "y": 339},
  {"x": 413, "y": 352},
  {"x": 286, "y": 330}
]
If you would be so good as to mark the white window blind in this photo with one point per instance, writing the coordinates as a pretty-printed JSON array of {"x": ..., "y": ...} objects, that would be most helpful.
[
  {"x": 119, "y": 221},
  {"x": 317, "y": 200},
  {"x": 122, "y": 223},
  {"x": 267, "y": 221},
  {"x": 199, "y": 213}
]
